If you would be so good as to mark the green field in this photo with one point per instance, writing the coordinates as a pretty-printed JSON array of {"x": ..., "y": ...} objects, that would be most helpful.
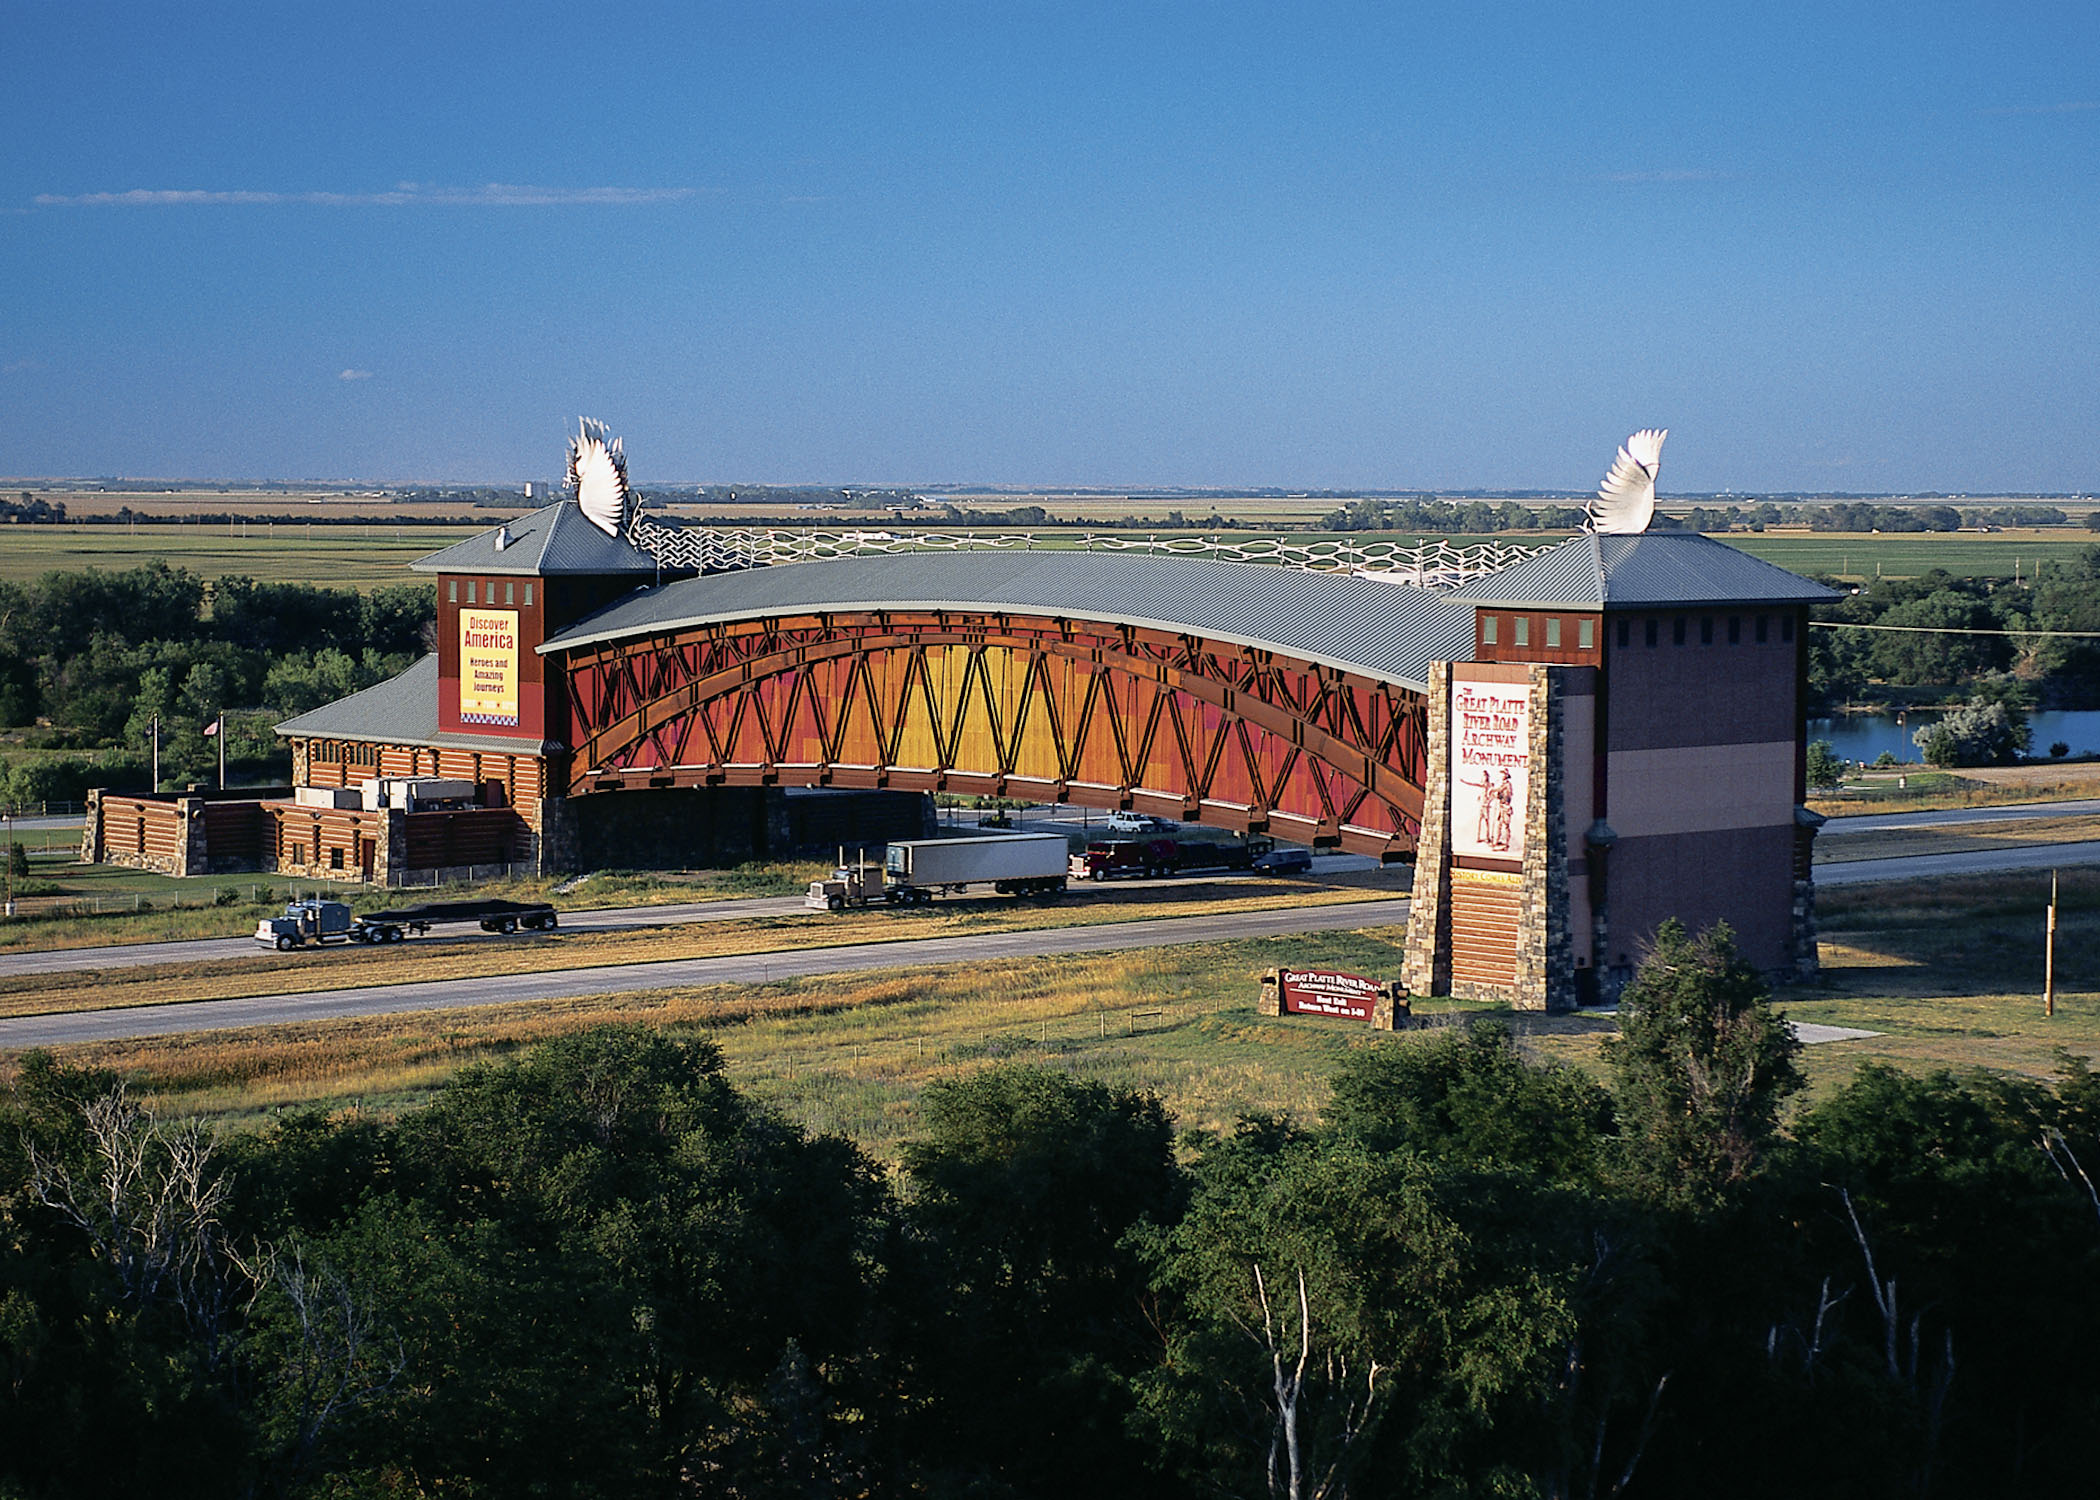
[
  {"x": 1907, "y": 555},
  {"x": 359, "y": 556},
  {"x": 367, "y": 555}
]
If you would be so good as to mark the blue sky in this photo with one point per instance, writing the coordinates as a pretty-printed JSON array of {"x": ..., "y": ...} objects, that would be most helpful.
[{"x": 1381, "y": 246}]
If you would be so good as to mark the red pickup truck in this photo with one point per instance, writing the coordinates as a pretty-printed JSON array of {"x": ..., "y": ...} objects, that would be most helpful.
[{"x": 1155, "y": 858}]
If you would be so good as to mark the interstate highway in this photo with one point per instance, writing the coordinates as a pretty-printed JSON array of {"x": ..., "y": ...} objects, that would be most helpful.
[
  {"x": 758, "y": 968},
  {"x": 197, "y": 950}
]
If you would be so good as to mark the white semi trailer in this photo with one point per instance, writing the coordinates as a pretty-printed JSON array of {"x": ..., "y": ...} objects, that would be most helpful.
[{"x": 914, "y": 871}]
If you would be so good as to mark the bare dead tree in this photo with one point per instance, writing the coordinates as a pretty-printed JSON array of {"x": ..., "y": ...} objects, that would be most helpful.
[
  {"x": 149, "y": 1205},
  {"x": 1814, "y": 1341},
  {"x": 1288, "y": 1370},
  {"x": 148, "y": 1202},
  {"x": 1568, "y": 1484},
  {"x": 338, "y": 1354},
  {"x": 2059, "y": 1151},
  {"x": 1931, "y": 1392}
]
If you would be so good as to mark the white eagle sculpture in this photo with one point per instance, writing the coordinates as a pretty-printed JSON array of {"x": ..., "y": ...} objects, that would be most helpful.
[
  {"x": 598, "y": 477},
  {"x": 1625, "y": 502}
]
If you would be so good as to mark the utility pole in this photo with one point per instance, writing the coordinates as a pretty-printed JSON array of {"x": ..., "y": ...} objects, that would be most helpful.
[{"x": 2049, "y": 954}]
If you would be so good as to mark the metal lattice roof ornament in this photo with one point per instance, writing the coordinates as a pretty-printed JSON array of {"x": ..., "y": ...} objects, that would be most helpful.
[
  {"x": 1625, "y": 502},
  {"x": 597, "y": 479}
]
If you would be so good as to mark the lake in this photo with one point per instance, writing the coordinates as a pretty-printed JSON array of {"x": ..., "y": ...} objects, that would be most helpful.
[{"x": 1865, "y": 736}]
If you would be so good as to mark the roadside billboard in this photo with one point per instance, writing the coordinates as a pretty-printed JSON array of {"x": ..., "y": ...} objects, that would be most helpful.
[
  {"x": 488, "y": 667},
  {"x": 1490, "y": 767}
]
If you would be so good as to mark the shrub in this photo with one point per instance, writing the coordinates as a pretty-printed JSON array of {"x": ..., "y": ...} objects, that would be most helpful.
[
  {"x": 1824, "y": 768},
  {"x": 1981, "y": 734}
]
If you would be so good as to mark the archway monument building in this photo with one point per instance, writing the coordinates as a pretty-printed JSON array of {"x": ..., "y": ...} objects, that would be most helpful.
[{"x": 1571, "y": 747}]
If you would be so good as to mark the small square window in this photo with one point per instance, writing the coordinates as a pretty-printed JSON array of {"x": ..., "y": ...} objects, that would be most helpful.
[
  {"x": 1652, "y": 631},
  {"x": 1677, "y": 631},
  {"x": 452, "y": 591},
  {"x": 1553, "y": 630},
  {"x": 1706, "y": 630},
  {"x": 1786, "y": 627},
  {"x": 1626, "y": 634},
  {"x": 1586, "y": 635},
  {"x": 1523, "y": 630},
  {"x": 335, "y": 859},
  {"x": 1763, "y": 633},
  {"x": 1487, "y": 630},
  {"x": 1735, "y": 630}
]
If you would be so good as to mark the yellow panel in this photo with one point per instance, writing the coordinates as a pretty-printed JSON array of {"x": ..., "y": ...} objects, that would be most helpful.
[
  {"x": 977, "y": 741},
  {"x": 917, "y": 744},
  {"x": 1036, "y": 752}
]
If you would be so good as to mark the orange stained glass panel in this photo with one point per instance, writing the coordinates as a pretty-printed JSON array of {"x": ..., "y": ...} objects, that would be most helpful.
[{"x": 860, "y": 737}]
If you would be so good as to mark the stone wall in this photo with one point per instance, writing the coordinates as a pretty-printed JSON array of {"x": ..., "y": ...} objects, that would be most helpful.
[
  {"x": 1427, "y": 967},
  {"x": 1808, "y": 956}
]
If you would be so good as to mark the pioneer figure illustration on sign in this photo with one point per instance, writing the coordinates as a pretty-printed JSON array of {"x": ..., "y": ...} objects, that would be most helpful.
[
  {"x": 1505, "y": 802},
  {"x": 1494, "y": 811}
]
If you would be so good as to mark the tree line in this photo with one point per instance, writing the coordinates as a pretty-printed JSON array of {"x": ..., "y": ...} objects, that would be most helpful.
[
  {"x": 1961, "y": 640},
  {"x": 1428, "y": 514},
  {"x": 89, "y": 660},
  {"x": 599, "y": 1268}
]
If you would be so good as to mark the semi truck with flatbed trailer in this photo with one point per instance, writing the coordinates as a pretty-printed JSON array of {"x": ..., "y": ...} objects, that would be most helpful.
[
  {"x": 914, "y": 871},
  {"x": 322, "y": 922}
]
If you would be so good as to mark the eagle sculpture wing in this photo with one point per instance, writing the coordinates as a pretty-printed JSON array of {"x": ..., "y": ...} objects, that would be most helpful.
[
  {"x": 598, "y": 477},
  {"x": 1625, "y": 502}
]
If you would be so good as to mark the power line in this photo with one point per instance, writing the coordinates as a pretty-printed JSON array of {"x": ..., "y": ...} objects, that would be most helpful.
[{"x": 2082, "y": 635}]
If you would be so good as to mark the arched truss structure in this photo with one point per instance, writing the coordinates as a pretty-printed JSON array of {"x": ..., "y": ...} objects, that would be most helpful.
[{"x": 1096, "y": 714}]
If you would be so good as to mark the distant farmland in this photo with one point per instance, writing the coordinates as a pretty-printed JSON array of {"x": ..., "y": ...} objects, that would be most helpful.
[
  {"x": 1909, "y": 554},
  {"x": 367, "y": 554},
  {"x": 342, "y": 556}
]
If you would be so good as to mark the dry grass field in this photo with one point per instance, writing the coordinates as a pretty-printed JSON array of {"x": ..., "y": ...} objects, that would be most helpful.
[
  {"x": 1954, "y": 838},
  {"x": 1974, "y": 786}
]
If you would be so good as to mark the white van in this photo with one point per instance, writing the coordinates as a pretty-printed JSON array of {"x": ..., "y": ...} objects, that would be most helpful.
[{"x": 1132, "y": 822}]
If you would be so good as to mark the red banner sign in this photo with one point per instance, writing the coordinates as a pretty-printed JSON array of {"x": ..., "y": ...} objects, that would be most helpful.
[{"x": 1323, "y": 992}]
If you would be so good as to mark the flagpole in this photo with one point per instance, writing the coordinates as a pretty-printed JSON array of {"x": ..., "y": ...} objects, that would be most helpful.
[
  {"x": 222, "y": 749},
  {"x": 156, "y": 752}
]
